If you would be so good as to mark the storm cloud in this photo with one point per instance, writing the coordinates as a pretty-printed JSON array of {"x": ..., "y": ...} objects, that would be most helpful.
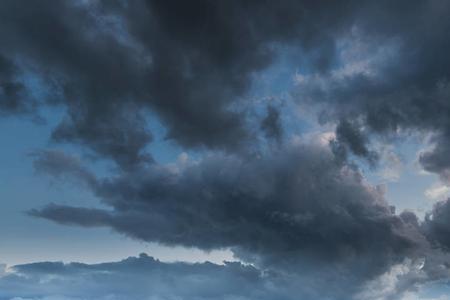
[
  {"x": 390, "y": 80},
  {"x": 299, "y": 210},
  {"x": 298, "y": 214},
  {"x": 108, "y": 63}
]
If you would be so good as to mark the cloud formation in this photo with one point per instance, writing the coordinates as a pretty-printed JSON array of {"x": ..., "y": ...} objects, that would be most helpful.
[
  {"x": 108, "y": 63},
  {"x": 139, "y": 278},
  {"x": 298, "y": 210},
  {"x": 144, "y": 277},
  {"x": 301, "y": 211},
  {"x": 391, "y": 79}
]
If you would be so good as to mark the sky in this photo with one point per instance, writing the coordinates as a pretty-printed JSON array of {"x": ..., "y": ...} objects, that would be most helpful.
[{"x": 229, "y": 150}]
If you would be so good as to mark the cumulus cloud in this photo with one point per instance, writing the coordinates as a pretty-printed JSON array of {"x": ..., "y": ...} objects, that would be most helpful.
[
  {"x": 109, "y": 63},
  {"x": 301, "y": 209},
  {"x": 400, "y": 86}
]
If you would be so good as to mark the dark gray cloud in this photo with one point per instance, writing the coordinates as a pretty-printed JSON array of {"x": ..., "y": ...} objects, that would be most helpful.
[
  {"x": 437, "y": 224},
  {"x": 77, "y": 56},
  {"x": 109, "y": 62},
  {"x": 58, "y": 164},
  {"x": 13, "y": 94},
  {"x": 297, "y": 210},
  {"x": 349, "y": 134},
  {"x": 436, "y": 160},
  {"x": 271, "y": 124},
  {"x": 391, "y": 77},
  {"x": 374, "y": 68}
]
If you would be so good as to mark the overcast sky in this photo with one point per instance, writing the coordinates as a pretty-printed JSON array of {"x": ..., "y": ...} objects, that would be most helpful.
[{"x": 224, "y": 150}]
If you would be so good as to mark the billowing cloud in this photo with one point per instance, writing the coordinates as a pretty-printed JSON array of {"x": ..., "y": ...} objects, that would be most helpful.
[
  {"x": 391, "y": 79},
  {"x": 110, "y": 63},
  {"x": 298, "y": 210}
]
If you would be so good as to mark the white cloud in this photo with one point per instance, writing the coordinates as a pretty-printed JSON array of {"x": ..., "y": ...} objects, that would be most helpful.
[
  {"x": 395, "y": 282},
  {"x": 437, "y": 192}
]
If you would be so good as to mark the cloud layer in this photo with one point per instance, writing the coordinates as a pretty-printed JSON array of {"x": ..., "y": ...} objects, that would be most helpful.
[
  {"x": 139, "y": 278},
  {"x": 300, "y": 212},
  {"x": 108, "y": 63},
  {"x": 144, "y": 277}
]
